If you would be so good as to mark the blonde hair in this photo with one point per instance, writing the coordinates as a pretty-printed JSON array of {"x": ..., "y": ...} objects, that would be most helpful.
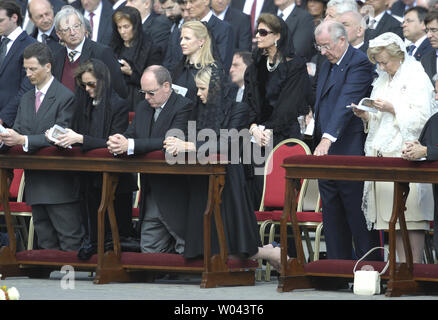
[
  {"x": 200, "y": 31},
  {"x": 203, "y": 76},
  {"x": 392, "y": 49}
]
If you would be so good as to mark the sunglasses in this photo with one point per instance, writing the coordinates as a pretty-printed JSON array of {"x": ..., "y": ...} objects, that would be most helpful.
[
  {"x": 90, "y": 84},
  {"x": 150, "y": 92},
  {"x": 263, "y": 32}
]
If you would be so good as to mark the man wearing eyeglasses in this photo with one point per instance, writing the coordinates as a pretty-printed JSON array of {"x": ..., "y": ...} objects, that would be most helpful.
[
  {"x": 413, "y": 30},
  {"x": 70, "y": 28},
  {"x": 53, "y": 195},
  {"x": 13, "y": 80},
  {"x": 163, "y": 197},
  {"x": 429, "y": 60},
  {"x": 345, "y": 78}
]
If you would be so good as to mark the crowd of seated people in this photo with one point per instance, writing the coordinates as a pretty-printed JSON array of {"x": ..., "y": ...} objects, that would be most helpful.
[{"x": 254, "y": 65}]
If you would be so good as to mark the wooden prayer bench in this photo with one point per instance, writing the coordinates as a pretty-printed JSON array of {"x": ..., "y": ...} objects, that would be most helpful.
[
  {"x": 115, "y": 265},
  {"x": 401, "y": 278}
]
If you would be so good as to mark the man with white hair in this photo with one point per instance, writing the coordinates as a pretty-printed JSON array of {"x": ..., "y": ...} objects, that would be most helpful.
[
  {"x": 355, "y": 25},
  {"x": 337, "y": 7}
]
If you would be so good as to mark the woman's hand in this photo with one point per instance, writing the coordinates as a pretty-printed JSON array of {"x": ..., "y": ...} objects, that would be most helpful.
[
  {"x": 384, "y": 106},
  {"x": 414, "y": 150},
  {"x": 360, "y": 113},
  {"x": 67, "y": 139},
  {"x": 125, "y": 68},
  {"x": 174, "y": 145}
]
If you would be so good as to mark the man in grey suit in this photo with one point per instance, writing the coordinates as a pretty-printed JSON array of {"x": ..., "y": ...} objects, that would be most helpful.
[
  {"x": 53, "y": 195},
  {"x": 163, "y": 206}
]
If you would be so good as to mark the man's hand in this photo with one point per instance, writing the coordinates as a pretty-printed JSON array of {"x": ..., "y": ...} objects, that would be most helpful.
[
  {"x": 12, "y": 138},
  {"x": 414, "y": 150},
  {"x": 117, "y": 144},
  {"x": 323, "y": 147}
]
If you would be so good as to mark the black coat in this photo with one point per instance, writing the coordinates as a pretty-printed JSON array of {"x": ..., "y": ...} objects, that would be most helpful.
[{"x": 241, "y": 24}]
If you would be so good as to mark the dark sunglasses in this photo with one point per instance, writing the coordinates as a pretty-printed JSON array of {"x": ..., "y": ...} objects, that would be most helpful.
[
  {"x": 91, "y": 84},
  {"x": 263, "y": 32},
  {"x": 151, "y": 92}
]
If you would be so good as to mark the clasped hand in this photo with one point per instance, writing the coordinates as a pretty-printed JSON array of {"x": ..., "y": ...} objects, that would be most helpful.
[
  {"x": 174, "y": 145},
  {"x": 11, "y": 138},
  {"x": 413, "y": 150},
  {"x": 262, "y": 137}
]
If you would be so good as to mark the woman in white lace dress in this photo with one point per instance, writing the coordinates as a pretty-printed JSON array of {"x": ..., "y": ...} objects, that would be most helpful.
[{"x": 403, "y": 97}]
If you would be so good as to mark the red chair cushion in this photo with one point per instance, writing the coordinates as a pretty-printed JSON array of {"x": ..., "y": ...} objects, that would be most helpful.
[
  {"x": 135, "y": 212},
  {"x": 305, "y": 216},
  {"x": 18, "y": 207}
]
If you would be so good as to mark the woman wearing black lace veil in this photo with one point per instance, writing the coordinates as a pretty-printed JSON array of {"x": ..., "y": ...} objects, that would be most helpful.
[
  {"x": 216, "y": 110},
  {"x": 134, "y": 50},
  {"x": 99, "y": 113},
  {"x": 277, "y": 90}
]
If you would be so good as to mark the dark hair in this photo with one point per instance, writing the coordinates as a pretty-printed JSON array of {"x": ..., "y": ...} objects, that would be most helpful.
[
  {"x": 131, "y": 14},
  {"x": 161, "y": 74},
  {"x": 12, "y": 8},
  {"x": 246, "y": 57},
  {"x": 99, "y": 70},
  {"x": 40, "y": 51},
  {"x": 431, "y": 16},
  {"x": 421, "y": 12}
]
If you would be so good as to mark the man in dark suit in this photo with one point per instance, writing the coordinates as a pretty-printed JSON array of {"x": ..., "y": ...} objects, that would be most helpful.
[
  {"x": 241, "y": 61},
  {"x": 399, "y": 7},
  {"x": 163, "y": 206},
  {"x": 173, "y": 12},
  {"x": 381, "y": 22},
  {"x": 54, "y": 196},
  {"x": 239, "y": 21},
  {"x": 413, "y": 30},
  {"x": 429, "y": 59},
  {"x": 345, "y": 78},
  {"x": 70, "y": 28},
  {"x": 301, "y": 27},
  {"x": 253, "y": 8},
  {"x": 157, "y": 26},
  {"x": 41, "y": 14},
  {"x": 13, "y": 81},
  {"x": 28, "y": 24},
  {"x": 355, "y": 26},
  {"x": 99, "y": 13}
]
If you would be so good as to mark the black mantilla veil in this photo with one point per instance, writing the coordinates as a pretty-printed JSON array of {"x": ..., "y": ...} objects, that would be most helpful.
[
  {"x": 219, "y": 102},
  {"x": 100, "y": 126}
]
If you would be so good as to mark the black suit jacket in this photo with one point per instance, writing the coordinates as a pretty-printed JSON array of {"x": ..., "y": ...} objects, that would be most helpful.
[
  {"x": 96, "y": 50},
  {"x": 43, "y": 187},
  {"x": 387, "y": 24},
  {"x": 105, "y": 31},
  {"x": 398, "y": 8},
  {"x": 158, "y": 28},
  {"x": 241, "y": 24},
  {"x": 268, "y": 6},
  {"x": 424, "y": 48},
  {"x": 429, "y": 63},
  {"x": 169, "y": 191},
  {"x": 301, "y": 27},
  {"x": 52, "y": 40}
]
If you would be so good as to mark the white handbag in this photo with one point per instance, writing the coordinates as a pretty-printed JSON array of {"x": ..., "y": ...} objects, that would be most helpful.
[{"x": 367, "y": 282}]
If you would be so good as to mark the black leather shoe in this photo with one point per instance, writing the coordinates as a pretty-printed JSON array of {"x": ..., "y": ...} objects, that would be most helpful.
[{"x": 87, "y": 250}]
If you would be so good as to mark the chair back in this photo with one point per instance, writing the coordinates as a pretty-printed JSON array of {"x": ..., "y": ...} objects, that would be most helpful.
[
  {"x": 274, "y": 179},
  {"x": 14, "y": 188}
]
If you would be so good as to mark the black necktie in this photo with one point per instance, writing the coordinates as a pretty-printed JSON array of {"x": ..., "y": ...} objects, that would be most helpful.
[
  {"x": 3, "y": 48},
  {"x": 411, "y": 49},
  {"x": 44, "y": 38}
]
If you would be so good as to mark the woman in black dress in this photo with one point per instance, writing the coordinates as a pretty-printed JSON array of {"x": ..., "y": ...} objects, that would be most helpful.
[
  {"x": 99, "y": 113},
  {"x": 216, "y": 110},
  {"x": 134, "y": 50}
]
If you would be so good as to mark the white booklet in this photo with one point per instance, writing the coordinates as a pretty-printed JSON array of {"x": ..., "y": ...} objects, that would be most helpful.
[
  {"x": 2, "y": 129},
  {"x": 55, "y": 132},
  {"x": 366, "y": 104},
  {"x": 180, "y": 90}
]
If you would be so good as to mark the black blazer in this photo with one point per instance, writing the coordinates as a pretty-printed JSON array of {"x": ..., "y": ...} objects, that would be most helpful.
[
  {"x": 158, "y": 28},
  {"x": 99, "y": 51},
  {"x": 429, "y": 63},
  {"x": 301, "y": 27},
  {"x": 52, "y": 40},
  {"x": 424, "y": 48},
  {"x": 398, "y": 8},
  {"x": 268, "y": 6},
  {"x": 169, "y": 191},
  {"x": 387, "y": 24},
  {"x": 105, "y": 31},
  {"x": 241, "y": 24}
]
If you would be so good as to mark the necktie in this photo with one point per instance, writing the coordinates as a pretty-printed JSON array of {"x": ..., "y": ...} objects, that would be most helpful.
[
  {"x": 281, "y": 15},
  {"x": 44, "y": 38},
  {"x": 71, "y": 55},
  {"x": 157, "y": 113},
  {"x": 91, "y": 23},
  {"x": 372, "y": 24},
  {"x": 411, "y": 49},
  {"x": 253, "y": 12},
  {"x": 38, "y": 100},
  {"x": 3, "y": 48}
]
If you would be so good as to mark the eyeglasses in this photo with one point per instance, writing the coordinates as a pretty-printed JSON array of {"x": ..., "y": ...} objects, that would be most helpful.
[
  {"x": 90, "y": 84},
  {"x": 432, "y": 30},
  {"x": 72, "y": 28},
  {"x": 149, "y": 92},
  {"x": 263, "y": 32},
  {"x": 320, "y": 48}
]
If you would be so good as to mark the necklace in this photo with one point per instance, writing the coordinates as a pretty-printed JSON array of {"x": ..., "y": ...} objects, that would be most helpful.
[{"x": 270, "y": 69}]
